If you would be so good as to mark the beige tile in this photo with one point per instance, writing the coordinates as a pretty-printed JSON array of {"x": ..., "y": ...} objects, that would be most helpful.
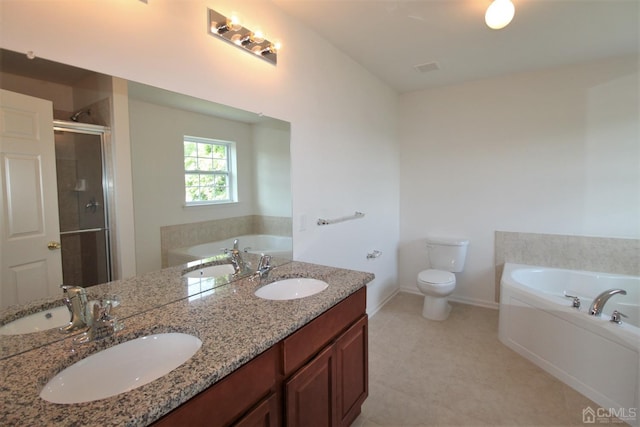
[
  {"x": 456, "y": 373},
  {"x": 389, "y": 407}
]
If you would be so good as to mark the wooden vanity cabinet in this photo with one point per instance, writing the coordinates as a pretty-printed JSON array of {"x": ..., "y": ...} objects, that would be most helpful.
[
  {"x": 317, "y": 376},
  {"x": 352, "y": 371},
  {"x": 325, "y": 364},
  {"x": 248, "y": 394},
  {"x": 330, "y": 389}
]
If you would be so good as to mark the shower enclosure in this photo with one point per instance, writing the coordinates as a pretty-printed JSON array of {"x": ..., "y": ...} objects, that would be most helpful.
[{"x": 82, "y": 203}]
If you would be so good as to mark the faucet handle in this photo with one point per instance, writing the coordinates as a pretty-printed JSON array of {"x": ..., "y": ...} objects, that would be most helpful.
[
  {"x": 233, "y": 251},
  {"x": 264, "y": 266},
  {"x": 576, "y": 300},
  {"x": 103, "y": 325},
  {"x": 101, "y": 310},
  {"x": 616, "y": 317},
  {"x": 265, "y": 262},
  {"x": 73, "y": 290}
]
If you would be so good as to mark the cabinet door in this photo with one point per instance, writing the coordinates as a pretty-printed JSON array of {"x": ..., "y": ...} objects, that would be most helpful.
[
  {"x": 352, "y": 372},
  {"x": 263, "y": 415},
  {"x": 310, "y": 393}
]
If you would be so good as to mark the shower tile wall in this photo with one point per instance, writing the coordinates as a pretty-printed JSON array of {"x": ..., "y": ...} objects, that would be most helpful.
[
  {"x": 67, "y": 178},
  {"x": 603, "y": 254},
  {"x": 86, "y": 250}
]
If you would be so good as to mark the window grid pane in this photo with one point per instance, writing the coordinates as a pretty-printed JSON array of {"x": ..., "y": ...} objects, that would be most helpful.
[{"x": 206, "y": 166}]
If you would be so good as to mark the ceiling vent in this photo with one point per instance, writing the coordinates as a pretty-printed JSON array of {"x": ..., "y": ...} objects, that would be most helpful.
[{"x": 425, "y": 68}]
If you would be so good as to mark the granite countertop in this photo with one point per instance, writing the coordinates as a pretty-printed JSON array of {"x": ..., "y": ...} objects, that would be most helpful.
[
  {"x": 136, "y": 293},
  {"x": 233, "y": 324}
]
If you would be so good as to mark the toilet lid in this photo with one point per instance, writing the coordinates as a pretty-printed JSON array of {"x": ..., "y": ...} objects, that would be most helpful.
[{"x": 436, "y": 277}]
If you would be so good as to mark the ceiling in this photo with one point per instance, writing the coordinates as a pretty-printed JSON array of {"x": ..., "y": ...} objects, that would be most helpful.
[{"x": 389, "y": 38}]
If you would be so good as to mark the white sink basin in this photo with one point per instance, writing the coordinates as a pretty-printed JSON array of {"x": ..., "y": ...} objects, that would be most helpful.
[
  {"x": 291, "y": 289},
  {"x": 121, "y": 368},
  {"x": 211, "y": 271},
  {"x": 37, "y": 322}
]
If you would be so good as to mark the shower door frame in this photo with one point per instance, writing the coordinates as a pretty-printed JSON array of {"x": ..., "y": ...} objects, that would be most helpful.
[{"x": 104, "y": 132}]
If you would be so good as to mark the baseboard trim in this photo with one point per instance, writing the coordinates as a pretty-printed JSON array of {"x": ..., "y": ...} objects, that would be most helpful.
[
  {"x": 379, "y": 306},
  {"x": 479, "y": 303},
  {"x": 468, "y": 301}
]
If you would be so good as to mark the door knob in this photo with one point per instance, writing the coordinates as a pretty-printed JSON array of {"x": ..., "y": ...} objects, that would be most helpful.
[{"x": 53, "y": 246}]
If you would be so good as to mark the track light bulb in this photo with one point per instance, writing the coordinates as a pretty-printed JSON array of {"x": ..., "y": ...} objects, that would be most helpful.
[
  {"x": 234, "y": 23},
  {"x": 257, "y": 37},
  {"x": 499, "y": 14}
]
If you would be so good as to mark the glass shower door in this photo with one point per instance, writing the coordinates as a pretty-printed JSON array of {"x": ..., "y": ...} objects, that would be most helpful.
[{"x": 84, "y": 230}]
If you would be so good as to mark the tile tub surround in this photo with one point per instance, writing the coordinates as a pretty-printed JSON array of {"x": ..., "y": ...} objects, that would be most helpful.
[
  {"x": 601, "y": 254},
  {"x": 233, "y": 324},
  {"x": 181, "y": 235}
]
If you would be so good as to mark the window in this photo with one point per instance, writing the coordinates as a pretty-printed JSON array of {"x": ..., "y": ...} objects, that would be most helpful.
[{"x": 209, "y": 168}]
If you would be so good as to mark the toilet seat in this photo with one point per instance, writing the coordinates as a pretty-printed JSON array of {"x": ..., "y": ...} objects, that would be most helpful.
[{"x": 436, "y": 278}]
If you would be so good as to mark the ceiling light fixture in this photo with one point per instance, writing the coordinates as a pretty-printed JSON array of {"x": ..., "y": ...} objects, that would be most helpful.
[
  {"x": 230, "y": 30},
  {"x": 499, "y": 14}
]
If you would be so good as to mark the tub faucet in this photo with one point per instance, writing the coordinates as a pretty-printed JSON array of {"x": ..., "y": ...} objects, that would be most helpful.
[
  {"x": 75, "y": 298},
  {"x": 598, "y": 303}
]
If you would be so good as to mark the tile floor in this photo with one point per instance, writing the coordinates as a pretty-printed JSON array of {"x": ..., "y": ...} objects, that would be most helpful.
[{"x": 456, "y": 373}]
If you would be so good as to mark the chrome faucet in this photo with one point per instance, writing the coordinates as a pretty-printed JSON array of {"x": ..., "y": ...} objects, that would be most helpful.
[
  {"x": 236, "y": 258},
  {"x": 264, "y": 266},
  {"x": 75, "y": 298},
  {"x": 598, "y": 303},
  {"x": 103, "y": 324}
]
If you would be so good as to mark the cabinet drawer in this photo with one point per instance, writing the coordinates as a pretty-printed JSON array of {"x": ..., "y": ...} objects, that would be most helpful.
[
  {"x": 303, "y": 344},
  {"x": 226, "y": 400}
]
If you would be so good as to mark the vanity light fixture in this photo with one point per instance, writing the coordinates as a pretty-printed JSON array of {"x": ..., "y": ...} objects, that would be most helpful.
[
  {"x": 499, "y": 14},
  {"x": 230, "y": 30}
]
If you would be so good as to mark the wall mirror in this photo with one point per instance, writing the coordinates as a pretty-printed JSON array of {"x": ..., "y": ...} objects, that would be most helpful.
[{"x": 167, "y": 230}]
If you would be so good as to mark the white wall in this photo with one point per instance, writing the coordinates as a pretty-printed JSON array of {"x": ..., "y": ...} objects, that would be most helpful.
[
  {"x": 272, "y": 169},
  {"x": 554, "y": 151},
  {"x": 344, "y": 154},
  {"x": 157, "y": 154},
  {"x": 61, "y": 95}
]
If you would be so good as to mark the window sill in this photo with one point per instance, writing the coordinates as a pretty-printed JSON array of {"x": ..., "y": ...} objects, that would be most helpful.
[{"x": 212, "y": 203}]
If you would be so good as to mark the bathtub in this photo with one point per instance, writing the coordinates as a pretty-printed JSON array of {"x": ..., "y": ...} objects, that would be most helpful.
[
  {"x": 598, "y": 358},
  {"x": 276, "y": 246}
]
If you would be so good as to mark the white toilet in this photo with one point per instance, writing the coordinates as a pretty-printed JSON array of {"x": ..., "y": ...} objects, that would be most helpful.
[{"x": 446, "y": 257}]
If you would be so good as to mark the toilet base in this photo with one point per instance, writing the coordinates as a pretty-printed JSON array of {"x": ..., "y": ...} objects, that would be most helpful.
[{"x": 436, "y": 308}]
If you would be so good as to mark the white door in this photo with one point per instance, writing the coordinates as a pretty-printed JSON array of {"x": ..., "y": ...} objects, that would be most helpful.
[{"x": 30, "y": 261}]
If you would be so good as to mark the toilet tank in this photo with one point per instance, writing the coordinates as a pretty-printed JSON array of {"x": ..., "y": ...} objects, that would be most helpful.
[{"x": 447, "y": 254}]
